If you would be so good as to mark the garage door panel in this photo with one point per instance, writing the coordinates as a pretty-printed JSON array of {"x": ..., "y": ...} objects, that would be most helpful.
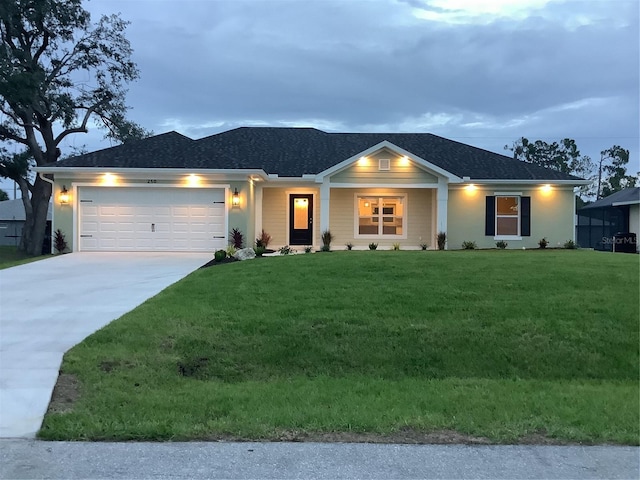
[
  {"x": 108, "y": 227},
  {"x": 180, "y": 212},
  {"x": 151, "y": 219}
]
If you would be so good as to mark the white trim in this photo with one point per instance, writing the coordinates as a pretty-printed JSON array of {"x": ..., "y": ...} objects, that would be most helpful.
[
  {"x": 325, "y": 204},
  {"x": 257, "y": 205},
  {"x": 76, "y": 209},
  {"x": 76, "y": 214},
  {"x": 390, "y": 146},
  {"x": 575, "y": 218},
  {"x": 151, "y": 185},
  {"x": 405, "y": 216},
  {"x": 384, "y": 185},
  {"x": 433, "y": 242},
  {"x": 159, "y": 172},
  {"x": 508, "y": 237},
  {"x": 535, "y": 182},
  {"x": 300, "y": 191},
  {"x": 630, "y": 202},
  {"x": 442, "y": 197},
  {"x": 496, "y": 216}
]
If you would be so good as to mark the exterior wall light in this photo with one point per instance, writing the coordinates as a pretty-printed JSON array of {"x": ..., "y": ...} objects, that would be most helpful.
[
  {"x": 235, "y": 199},
  {"x": 64, "y": 196}
]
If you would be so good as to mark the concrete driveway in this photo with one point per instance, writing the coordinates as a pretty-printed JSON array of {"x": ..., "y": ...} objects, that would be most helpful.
[{"x": 46, "y": 307}]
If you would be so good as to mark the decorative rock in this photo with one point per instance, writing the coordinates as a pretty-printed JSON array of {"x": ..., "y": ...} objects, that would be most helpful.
[{"x": 245, "y": 254}]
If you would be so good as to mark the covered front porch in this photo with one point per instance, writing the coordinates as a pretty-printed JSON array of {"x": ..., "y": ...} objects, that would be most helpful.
[{"x": 407, "y": 216}]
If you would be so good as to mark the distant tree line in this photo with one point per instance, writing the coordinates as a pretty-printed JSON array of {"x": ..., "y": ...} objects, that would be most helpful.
[{"x": 608, "y": 175}]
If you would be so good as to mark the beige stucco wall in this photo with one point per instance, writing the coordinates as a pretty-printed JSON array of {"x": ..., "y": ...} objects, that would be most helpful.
[
  {"x": 242, "y": 216},
  {"x": 275, "y": 213},
  {"x": 401, "y": 171},
  {"x": 343, "y": 215},
  {"x": 552, "y": 216}
]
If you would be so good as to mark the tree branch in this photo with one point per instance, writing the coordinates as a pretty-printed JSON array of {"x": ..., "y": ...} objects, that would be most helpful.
[
  {"x": 83, "y": 126},
  {"x": 7, "y": 134}
]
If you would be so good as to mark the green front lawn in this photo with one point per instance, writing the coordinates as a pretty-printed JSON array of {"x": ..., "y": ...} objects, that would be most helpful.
[
  {"x": 11, "y": 256},
  {"x": 507, "y": 345}
]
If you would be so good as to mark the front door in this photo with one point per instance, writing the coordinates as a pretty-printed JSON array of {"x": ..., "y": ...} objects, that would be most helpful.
[{"x": 300, "y": 219}]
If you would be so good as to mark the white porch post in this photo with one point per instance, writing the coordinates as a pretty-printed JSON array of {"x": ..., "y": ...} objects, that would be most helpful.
[
  {"x": 443, "y": 199},
  {"x": 257, "y": 207},
  {"x": 324, "y": 205}
]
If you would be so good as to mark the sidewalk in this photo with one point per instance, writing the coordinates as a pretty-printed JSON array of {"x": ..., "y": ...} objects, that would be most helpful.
[{"x": 197, "y": 460}]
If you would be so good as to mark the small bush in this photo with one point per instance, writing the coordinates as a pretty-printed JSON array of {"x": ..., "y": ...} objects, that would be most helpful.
[
  {"x": 570, "y": 245},
  {"x": 327, "y": 238},
  {"x": 424, "y": 246},
  {"x": 237, "y": 238},
  {"x": 307, "y": 249},
  {"x": 286, "y": 250},
  {"x": 349, "y": 246},
  {"x": 220, "y": 255},
  {"x": 231, "y": 250},
  {"x": 396, "y": 246},
  {"x": 259, "y": 251},
  {"x": 59, "y": 241},
  {"x": 502, "y": 244},
  {"x": 263, "y": 240},
  {"x": 373, "y": 246},
  {"x": 468, "y": 245},
  {"x": 543, "y": 242},
  {"x": 442, "y": 240}
]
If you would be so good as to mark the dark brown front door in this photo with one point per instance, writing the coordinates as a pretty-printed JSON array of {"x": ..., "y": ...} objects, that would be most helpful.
[{"x": 300, "y": 219}]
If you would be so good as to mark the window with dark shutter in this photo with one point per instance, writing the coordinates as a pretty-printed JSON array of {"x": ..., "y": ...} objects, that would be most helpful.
[
  {"x": 525, "y": 216},
  {"x": 490, "y": 216},
  {"x": 508, "y": 216}
]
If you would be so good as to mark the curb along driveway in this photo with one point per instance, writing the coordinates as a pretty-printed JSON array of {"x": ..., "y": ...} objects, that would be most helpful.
[
  {"x": 196, "y": 460},
  {"x": 48, "y": 306}
]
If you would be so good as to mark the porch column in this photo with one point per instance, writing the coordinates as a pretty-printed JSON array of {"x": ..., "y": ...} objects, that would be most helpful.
[
  {"x": 324, "y": 205},
  {"x": 257, "y": 208},
  {"x": 442, "y": 200}
]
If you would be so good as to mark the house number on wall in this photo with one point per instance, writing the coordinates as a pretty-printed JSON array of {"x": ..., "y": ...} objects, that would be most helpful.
[{"x": 152, "y": 181}]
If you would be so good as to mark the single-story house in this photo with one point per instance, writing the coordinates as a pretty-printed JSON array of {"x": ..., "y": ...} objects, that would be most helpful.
[
  {"x": 171, "y": 193},
  {"x": 601, "y": 220},
  {"x": 12, "y": 218}
]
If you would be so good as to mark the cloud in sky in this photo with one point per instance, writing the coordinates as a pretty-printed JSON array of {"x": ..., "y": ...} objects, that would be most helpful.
[{"x": 484, "y": 72}]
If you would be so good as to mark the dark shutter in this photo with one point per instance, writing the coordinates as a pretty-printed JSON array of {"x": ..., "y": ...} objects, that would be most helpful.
[
  {"x": 490, "y": 216},
  {"x": 525, "y": 216}
]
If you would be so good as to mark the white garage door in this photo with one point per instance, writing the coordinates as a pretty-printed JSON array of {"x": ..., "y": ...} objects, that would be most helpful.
[{"x": 152, "y": 219}]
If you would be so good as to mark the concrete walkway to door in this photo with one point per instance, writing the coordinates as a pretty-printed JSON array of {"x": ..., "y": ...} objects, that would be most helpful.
[{"x": 48, "y": 306}]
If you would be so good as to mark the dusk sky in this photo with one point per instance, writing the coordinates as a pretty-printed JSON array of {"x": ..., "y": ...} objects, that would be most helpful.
[{"x": 483, "y": 72}]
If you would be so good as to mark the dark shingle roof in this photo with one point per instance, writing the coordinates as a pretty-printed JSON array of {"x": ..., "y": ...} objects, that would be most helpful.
[
  {"x": 292, "y": 152},
  {"x": 627, "y": 195},
  {"x": 160, "y": 151}
]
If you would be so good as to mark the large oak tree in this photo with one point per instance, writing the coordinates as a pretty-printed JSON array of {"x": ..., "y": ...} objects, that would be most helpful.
[{"x": 58, "y": 72}]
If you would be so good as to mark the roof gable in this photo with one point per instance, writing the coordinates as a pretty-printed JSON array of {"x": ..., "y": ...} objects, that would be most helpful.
[{"x": 440, "y": 172}]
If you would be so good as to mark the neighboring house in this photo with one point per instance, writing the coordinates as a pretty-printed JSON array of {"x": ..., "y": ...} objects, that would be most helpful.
[
  {"x": 171, "y": 193},
  {"x": 599, "y": 221},
  {"x": 12, "y": 219}
]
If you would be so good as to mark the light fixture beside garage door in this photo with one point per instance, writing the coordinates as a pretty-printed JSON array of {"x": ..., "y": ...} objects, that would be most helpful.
[
  {"x": 235, "y": 198},
  {"x": 63, "y": 198}
]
